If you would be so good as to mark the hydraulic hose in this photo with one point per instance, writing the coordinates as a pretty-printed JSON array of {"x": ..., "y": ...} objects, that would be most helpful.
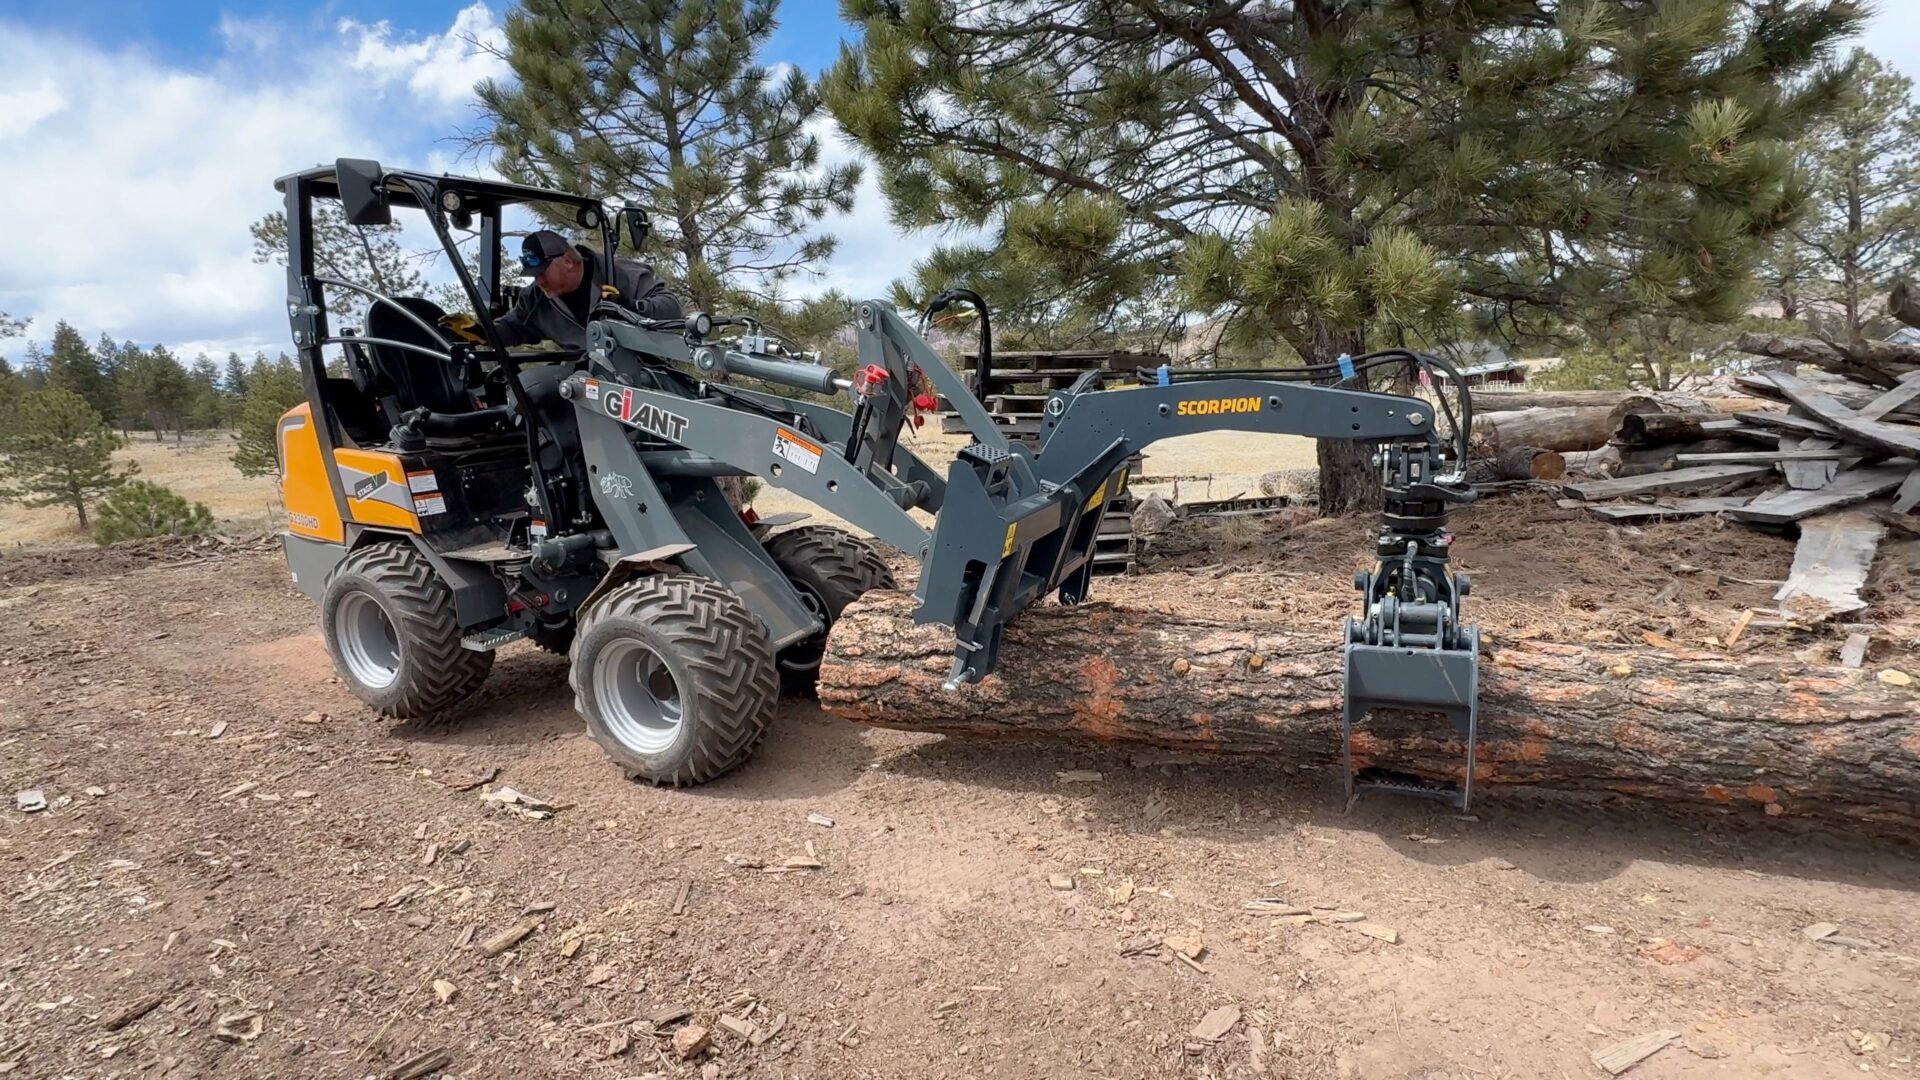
[{"x": 983, "y": 363}]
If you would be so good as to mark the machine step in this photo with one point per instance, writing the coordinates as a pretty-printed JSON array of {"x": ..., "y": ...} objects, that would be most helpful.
[{"x": 489, "y": 640}]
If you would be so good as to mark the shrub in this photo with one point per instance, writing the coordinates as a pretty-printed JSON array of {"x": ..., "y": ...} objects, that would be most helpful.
[{"x": 141, "y": 509}]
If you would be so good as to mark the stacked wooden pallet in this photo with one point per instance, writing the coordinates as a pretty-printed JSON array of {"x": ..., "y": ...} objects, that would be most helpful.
[{"x": 1834, "y": 451}]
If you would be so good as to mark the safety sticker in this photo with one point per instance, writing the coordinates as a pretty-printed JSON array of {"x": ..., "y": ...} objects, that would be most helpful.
[
  {"x": 537, "y": 529},
  {"x": 422, "y": 482},
  {"x": 796, "y": 450},
  {"x": 593, "y": 389},
  {"x": 428, "y": 505}
]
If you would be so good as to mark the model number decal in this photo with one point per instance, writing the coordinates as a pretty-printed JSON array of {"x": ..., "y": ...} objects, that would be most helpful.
[
  {"x": 1214, "y": 406},
  {"x": 621, "y": 405}
]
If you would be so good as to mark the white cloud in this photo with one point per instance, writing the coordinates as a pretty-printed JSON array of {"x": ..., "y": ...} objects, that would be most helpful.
[
  {"x": 132, "y": 182},
  {"x": 442, "y": 68},
  {"x": 20, "y": 110}
]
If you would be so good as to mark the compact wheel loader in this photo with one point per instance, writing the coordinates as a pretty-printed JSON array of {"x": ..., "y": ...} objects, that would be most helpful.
[{"x": 446, "y": 497}]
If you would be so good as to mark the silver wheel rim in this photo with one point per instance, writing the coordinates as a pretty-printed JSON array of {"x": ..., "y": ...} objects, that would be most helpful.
[
  {"x": 368, "y": 645},
  {"x": 638, "y": 696}
]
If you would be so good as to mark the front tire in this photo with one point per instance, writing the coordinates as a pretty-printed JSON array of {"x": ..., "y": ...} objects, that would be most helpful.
[
  {"x": 390, "y": 628},
  {"x": 830, "y": 568},
  {"x": 674, "y": 677}
]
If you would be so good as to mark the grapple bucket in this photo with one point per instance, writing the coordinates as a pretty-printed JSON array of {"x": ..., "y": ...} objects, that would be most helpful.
[{"x": 1004, "y": 540}]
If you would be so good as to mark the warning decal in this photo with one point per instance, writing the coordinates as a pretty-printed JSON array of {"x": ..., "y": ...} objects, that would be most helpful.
[
  {"x": 423, "y": 481},
  {"x": 428, "y": 505},
  {"x": 797, "y": 450}
]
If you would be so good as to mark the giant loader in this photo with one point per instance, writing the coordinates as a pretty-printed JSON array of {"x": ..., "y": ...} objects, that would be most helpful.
[{"x": 446, "y": 497}]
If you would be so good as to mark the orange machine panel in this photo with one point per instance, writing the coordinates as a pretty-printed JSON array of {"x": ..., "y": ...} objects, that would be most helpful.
[
  {"x": 311, "y": 511},
  {"x": 377, "y": 490}
]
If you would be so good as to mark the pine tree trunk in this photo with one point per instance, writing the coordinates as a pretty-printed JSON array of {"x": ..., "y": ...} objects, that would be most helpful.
[
  {"x": 1674, "y": 725},
  {"x": 1349, "y": 482}
]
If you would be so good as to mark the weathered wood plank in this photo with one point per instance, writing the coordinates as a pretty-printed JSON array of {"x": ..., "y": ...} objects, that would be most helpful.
[
  {"x": 1852, "y": 486},
  {"x": 1831, "y": 561},
  {"x": 1764, "y": 457},
  {"x": 1675, "y": 480},
  {"x": 1718, "y": 504},
  {"x": 1811, "y": 475},
  {"x": 1804, "y": 425},
  {"x": 1814, "y": 399},
  {"x": 1908, "y": 496},
  {"x": 1908, "y": 390}
]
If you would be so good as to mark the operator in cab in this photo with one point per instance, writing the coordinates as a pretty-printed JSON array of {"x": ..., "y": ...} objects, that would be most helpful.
[{"x": 568, "y": 280}]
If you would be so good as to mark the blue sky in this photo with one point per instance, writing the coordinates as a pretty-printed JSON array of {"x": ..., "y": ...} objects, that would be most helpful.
[{"x": 138, "y": 141}]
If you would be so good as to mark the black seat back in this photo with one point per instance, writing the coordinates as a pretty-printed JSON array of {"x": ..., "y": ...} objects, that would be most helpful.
[{"x": 416, "y": 380}]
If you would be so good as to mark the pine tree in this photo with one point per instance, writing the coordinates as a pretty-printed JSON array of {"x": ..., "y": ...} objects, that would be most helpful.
[
  {"x": 207, "y": 407},
  {"x": 73, "y": 366},
  {"x": 1863, "y": 168},
  {"x": 12, "y": 389},
  {"x": 1330, "y": 173},
  {"x": 11, "y": 327},
  {"x": 156, "y": 393},
  {"x": 235, "y": 382},
  {"x": 58, "y": 452},
  {"x": 665, "y": 104},
  {"x": 370, "y": 256},
  {"x": 272, "y": 389},
  {"x": 113, "y": 362},
  {"x": 143, "y": 509}
]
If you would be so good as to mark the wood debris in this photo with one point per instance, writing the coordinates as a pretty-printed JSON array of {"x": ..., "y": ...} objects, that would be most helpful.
[
  {"x": 512, "y": 935},
  {"x": 132, "y": 1012},
  {"x": 424, "y": 1064},
  {"x": 1214, "y": 1026},
  {"x": 1624, "y": 1055},
  {"x": 506, "y": 798},
  {"x": 1079, "y": 776}
]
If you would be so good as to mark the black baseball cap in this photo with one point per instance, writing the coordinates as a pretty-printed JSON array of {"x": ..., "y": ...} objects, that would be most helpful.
[{"x": 541, "y": 247}]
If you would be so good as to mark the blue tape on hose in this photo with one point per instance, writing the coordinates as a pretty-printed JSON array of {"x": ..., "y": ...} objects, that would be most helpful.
[
  {"x": 1346, "y": 366},
  {"x": 1166, "y": 375}
]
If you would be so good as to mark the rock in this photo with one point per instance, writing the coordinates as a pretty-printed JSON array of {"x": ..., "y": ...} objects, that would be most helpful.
[
  {"x": 1867, "y": 1042},
  {"x": 506, "y": 798},
  {"x": 599, "y": 975},
  {"x": 1187, "y": 945},
  {"x": 97, "y": 792},
  {"x": 1079, "y": 776},
  {"x": 822, "y": 820},
  {"x": 1152, "y": 515},
  {"x": 239, "y": 1027},
  {"x": 30, "y": 800},
  {"x": 691, "y": 1041},
  {"x": 1062, "y": 882},
  {"x": 1215, "y": 1025},
  {"x": 445, "y": 991},
  {"x": 218, "y": 729},
  {"x": 1502, "y": 864},
  {"x": 1820, "y": 930},
  {"x": 710, "y": 1071},
  {"x": 1669, "y": 952}
]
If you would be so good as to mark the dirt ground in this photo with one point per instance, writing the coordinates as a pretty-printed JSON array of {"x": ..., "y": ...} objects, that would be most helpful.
[{"x": 290, "y": 886}]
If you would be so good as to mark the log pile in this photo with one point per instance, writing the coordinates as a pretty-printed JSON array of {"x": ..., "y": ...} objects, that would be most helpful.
[{"x": 1833, "y": 449}]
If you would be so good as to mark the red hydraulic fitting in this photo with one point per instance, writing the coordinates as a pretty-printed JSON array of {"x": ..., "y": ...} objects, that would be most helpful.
[{"x": 870, "y": 376}]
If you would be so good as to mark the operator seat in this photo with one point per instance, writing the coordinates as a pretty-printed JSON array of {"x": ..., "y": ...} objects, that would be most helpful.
[
  {"x": 416, "y": 380},
  {"x": 409, "y": 382}
]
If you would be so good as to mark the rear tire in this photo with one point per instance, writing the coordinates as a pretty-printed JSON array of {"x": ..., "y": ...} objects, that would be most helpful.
[
  {"x": 674, "y": 677},
  {"x": 391, "y": 631},
  {"x": 830, "y": 568}
]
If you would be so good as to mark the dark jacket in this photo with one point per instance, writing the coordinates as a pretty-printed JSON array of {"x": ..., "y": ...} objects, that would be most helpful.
[{"x": 537, "y": 317}]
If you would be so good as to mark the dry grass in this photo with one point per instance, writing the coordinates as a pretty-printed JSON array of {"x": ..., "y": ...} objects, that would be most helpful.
[
  {"x": 199, "y": 468},
  {"x": 1213, "y": 466}
]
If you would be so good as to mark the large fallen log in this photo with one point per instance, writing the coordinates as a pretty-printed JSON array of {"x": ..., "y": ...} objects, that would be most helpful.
[
  {"x": 1674, "y": 725},
  {"x": 1559, "y": 430}
]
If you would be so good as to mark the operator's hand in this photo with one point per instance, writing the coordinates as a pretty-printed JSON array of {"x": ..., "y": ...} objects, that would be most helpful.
[
  {"x": 463, "y": 325},
  {"x": 608, "y": 292}
]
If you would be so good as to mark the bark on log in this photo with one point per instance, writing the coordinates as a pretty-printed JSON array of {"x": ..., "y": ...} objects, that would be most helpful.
[
  {"x": 1902, "y": 304},
  {"x": 1878, "y": 362},
  {"x": 1675, "y": 725},
  {"x": 1519, "y": 463},
  {"x": 1659, "y": 429},
  {"x": 1560, "y": 430},
  {"x": 1602, "y": 462}
]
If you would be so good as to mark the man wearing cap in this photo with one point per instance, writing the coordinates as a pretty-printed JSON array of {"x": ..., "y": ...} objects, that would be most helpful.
[{"x": 568, "y": 280}]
